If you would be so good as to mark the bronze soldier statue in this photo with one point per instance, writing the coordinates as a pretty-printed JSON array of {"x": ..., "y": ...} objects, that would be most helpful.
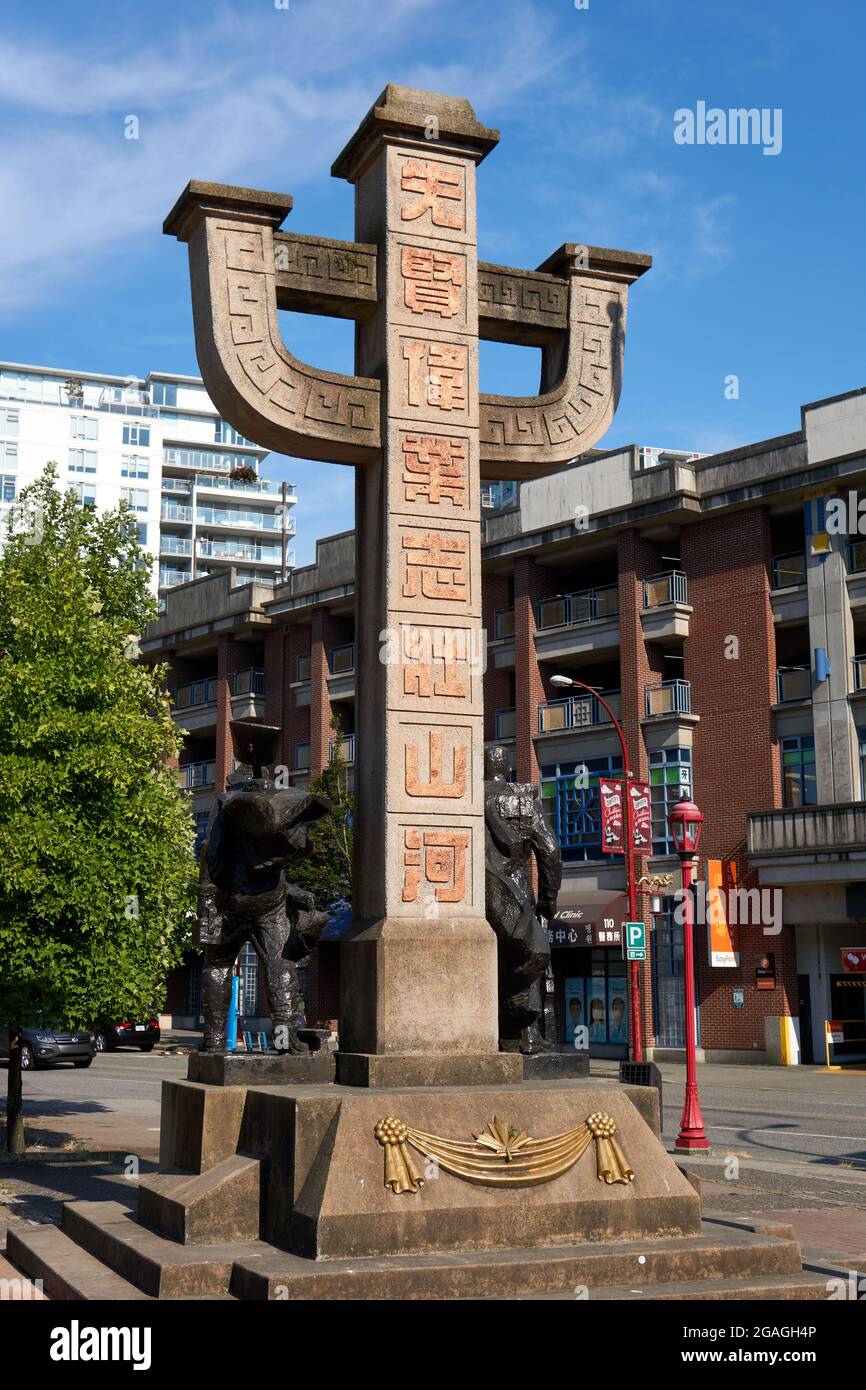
[
  {"x": 515, "y": 829},
  {"x": 255, "y": 831}
]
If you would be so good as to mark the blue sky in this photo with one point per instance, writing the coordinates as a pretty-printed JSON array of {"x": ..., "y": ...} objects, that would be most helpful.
[{"x": 759, "y": 265}]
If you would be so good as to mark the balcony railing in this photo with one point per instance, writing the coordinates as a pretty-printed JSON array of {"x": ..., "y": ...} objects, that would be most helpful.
[
  {"x": 208, "y": 480},
  {"x": 347, "y": 748},
  {"x": 175, "y": 545},
  {"x": 169, "y": 579},
  {"x": 837, "y": 829},
  {"x": 245, "y": 521},
  {"x": 251, "y": 682},
  {"x": 180, "y": 485},
  {"x": 859, "y": 664},
  {"x": 788, "y": 570},
  {"x": 668, "y": 697},
  {"x": 793, "y": 683},
  {"x": 503, "y": 623},
  {"x": 671, "y": 587},
  {"x": 577, "y": 712},
  {"x": 173, "y": 511},
  {"x": 342, "y": 659},
  {"x": 585, "y": 606},
  {"x": 506, "y": 723},
  {"x": 203, "y": 692},
  {"x": 195, "y": 775},
  {"x": 236, "y": 550}
]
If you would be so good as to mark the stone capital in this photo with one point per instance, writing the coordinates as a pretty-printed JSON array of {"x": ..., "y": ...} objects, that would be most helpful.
[{"x": 410, "y": 114}]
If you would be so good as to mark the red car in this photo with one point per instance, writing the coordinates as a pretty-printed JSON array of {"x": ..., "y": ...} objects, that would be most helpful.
[{"x": 144, "y": 1036}]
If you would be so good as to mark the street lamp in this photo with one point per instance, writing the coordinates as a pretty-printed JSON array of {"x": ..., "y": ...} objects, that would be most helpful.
[
  {"x": 636, "y": 1040},
  {"x": 685, "y": 821}
]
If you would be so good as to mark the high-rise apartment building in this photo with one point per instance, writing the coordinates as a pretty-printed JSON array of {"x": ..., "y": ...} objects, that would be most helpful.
[{"x": 159, "y": 444}]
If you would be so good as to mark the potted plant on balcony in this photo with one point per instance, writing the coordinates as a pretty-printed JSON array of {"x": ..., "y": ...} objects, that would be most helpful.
[{"x": 243, "y": 474}]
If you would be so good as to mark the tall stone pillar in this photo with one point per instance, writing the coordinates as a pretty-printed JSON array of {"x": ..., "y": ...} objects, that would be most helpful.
[
  {"x": 419, "y": 973},
  {"x": 831, "y": 626}
]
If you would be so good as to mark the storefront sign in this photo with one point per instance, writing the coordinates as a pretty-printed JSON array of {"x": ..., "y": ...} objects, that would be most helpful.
[
  {"x": 587, "y": 917},
  {"x": 723, "y": 937},
  {"x": 641, "y": 817},
  {"x": 853, "y": 960},
  {"x": 835, "y": 1032},
  {"x": 610, "y": 797},
  {"x": 765, "y": 971}
]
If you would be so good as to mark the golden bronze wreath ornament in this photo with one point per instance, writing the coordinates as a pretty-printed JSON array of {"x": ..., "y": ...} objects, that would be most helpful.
[{"x": 500, "y": 1155}]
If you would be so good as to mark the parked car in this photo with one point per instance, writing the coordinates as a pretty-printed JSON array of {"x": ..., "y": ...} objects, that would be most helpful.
[
  {"x": 144, "y": 1036},
  {"x": 46, "y": 1043}
]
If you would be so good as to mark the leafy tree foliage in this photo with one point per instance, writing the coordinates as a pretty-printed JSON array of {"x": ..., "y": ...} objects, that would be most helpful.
[
  {"x": 96, "y": 862},
  {"x": 327, "y": 870}
]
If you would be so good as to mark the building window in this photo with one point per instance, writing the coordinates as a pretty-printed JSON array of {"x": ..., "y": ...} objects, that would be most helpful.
[
  {"x": 163, "y": 393},
  {"x": 133, "y": 467},
  {"x": 83, "y": 427},
  {"x": 596, "y": 994},
  {"x": 9, "y": 422},
  {"x": 136, "y": 497},
  {"x": 141, "y": 533},
  {"x": 9, "y": 455},
  {"x": 82, "y": 461},
  {"x": 799, "y": 783},
  {"x": 670, "y": 778},
  {"x": 7, "y": 487},
  {"x": 201, "y": 820},
  {"x": 86, "y": 493},
  {"x": 137, "y": 435},
  {"x": 861, "y": 734},
  {"x": 569, "y": 792},
  {"x": 224, "y": 433},
  {"x": 668, "y": 965}
]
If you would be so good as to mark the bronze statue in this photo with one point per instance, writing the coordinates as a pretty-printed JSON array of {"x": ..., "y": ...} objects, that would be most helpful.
[
  {"x": 515, "y": 829},
  {"x": 255, "y": 831}
]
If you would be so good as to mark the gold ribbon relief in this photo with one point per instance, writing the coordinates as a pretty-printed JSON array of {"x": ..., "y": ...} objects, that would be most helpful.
[{"x": 501, "y": 1156}]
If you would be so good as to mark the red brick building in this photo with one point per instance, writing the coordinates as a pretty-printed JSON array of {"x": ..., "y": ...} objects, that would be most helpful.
[{"x": 705, "y": 599}]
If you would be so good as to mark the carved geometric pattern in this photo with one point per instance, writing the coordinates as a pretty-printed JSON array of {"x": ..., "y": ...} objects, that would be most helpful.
[
  {"x": 537, "y": 299},
  {"x": 519, "y": 432}
]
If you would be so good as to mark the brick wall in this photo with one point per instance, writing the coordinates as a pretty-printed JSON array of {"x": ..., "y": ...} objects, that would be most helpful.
[{"x": 736, "y": 754}]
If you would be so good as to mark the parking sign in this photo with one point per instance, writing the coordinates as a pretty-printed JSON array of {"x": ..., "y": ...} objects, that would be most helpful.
[{"x": 635, "y": 940}]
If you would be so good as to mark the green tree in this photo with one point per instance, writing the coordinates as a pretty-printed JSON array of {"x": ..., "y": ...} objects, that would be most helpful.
[
  {"x": 327, "y": 870},
  {"x": 96, "y": 861}
]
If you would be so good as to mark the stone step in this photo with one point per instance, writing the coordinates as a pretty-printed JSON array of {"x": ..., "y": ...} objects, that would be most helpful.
[
  {"x": 220, "y": 1205},
  {"x": 160, "y": 1267},
  {"x": 731, "y": 1255},
  {"x": 777, "y": 1289},
  {"x": 67, "y": 1271}
]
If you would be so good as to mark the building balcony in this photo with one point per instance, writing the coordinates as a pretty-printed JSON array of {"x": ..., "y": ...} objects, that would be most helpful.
[
  {"x": 577, "y": 712},
  {"x": 668, "y": 698},
  {"x": 236, "y": 550},
  {"x": 666, "y": 612},
  {"x": 173, "y": 511},
  {"x": 251, "y": 682},
  {"x": 170, "y": 578},
  {"x": 809, "y": 844},
  {"x": 207, "y": 482},
  {"x": 196, "y": 694},
  {"x": 793, "y": 684},
  {"x": 175, "y": 545},
  {"x": 179, "y": 486},
  {"x": 571, "y": 610},
  {"x": 341, "y": 677},
  {"x": 193, "y": 776},
  {"x": 219, "y": 518}
]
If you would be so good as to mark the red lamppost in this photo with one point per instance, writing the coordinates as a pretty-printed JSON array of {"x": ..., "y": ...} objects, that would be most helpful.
[
  {"x": 685, "y": 821},
  {"x": 636, "y": 1039}
]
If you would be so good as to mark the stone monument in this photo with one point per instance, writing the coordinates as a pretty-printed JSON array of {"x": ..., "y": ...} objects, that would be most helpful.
[
  {"x": 419, "y": 993},
  {"x": 483, "y": 1184}
]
